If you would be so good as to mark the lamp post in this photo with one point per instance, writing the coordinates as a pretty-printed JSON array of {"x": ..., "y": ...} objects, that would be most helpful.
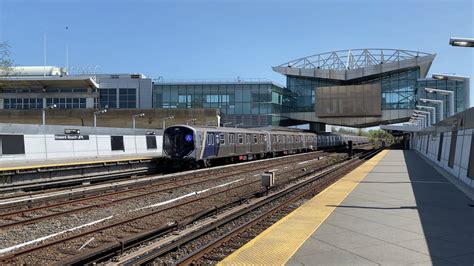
[
  {"x": 43, "y": 112},
  {"x": 444, "y": 92},
  {"x": 426, "y": 113},
  {"x": 134, "y": 117},
  {"x": 441, "y": 113},
  {"x": 429, "y": 108},
  {"x": 424, "y": 118},
  {"x": 461, "y": 42},
  {"x": 164, "y": 120},
  {"x": 191, "y": 120},
  {"x": 98, "y": 112}
]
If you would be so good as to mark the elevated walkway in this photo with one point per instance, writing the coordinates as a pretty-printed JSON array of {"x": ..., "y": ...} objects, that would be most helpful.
[{"x": 395, "y": 209}]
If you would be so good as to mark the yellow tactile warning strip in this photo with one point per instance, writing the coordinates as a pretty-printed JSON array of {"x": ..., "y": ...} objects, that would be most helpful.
[
  {"x": 277, "y": 244},
  {"x": 25, "y": 167}
]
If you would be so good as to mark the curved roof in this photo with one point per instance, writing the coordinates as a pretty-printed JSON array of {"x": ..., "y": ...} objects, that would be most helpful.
[
  {"x": 347, "y": 64},
  {"x": 353, "y": 58}
]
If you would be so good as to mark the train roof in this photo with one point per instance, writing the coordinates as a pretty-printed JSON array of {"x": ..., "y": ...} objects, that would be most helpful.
[{"x": 240, "y": 130}]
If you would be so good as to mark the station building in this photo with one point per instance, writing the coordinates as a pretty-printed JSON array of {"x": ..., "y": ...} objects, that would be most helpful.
[
  {"x": 246, "y": 103},
  {"x": 366, "y": 87},
  {"x": 355, "y": 88}
]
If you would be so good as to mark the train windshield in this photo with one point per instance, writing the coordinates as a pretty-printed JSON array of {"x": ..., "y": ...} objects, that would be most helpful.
[{"x": 178, "y": 142}]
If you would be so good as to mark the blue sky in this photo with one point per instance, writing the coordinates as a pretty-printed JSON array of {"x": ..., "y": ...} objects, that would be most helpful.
[{"x": 225, "y": 39}]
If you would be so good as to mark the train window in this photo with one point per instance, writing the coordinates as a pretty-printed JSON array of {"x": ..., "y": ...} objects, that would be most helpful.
[
  {"x": 210, "y": 139},
  {"x": 231, "y": 138},
  {"x": 151, "y": 143},
  {"x": 261, "y": 138},
  {"x": 265, "y": 138},
  {"x": 12, "y": 144},
  {"x": 247, "y": 138},
  {"x": 217, "y": 139},
  {"x": 241, "y": 139},
  {"x": 255, "y": 138},
  {"x": 221, "y": 139},
  {"x": 273, "y": 138},
  {"x": 116, "y": 143},
  {"x": 278, "y": 138}
]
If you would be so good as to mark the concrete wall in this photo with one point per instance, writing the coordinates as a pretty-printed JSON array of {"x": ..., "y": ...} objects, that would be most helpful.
[
  {"x": 113, "y": 118},
  {"x": 462, "y": 152},
  {"x": 40, "y": 142},
  {"x": 45, "y": 147}
]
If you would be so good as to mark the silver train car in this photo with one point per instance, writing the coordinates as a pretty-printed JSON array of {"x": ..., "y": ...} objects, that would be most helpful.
[
  {"x": 204, "y": 144},
  {"x": 199, "y": 146}
]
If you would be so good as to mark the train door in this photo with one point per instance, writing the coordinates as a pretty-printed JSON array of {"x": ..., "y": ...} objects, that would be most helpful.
[
  {"x": 247, "y": 143},
  {"x": 232, "y": 143},
  {"x": 210, "y": 147}
]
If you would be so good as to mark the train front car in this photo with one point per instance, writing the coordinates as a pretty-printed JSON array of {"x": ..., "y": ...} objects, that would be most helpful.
[{"x": 178, "y": 142}]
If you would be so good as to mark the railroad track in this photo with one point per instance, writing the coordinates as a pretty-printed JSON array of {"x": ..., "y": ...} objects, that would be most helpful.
[
  {"x": 69, "y": 245},
  {"x": 31, "y": 215},
  {"x": 27, "y": 200},
  {"x": 239, "y": 232}
]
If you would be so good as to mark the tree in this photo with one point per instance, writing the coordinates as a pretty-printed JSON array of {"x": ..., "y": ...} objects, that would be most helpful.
[{"x": 6, "y": 64}]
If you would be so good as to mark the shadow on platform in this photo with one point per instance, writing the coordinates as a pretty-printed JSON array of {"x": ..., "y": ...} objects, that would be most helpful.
[{"x": 447, "y": 220}]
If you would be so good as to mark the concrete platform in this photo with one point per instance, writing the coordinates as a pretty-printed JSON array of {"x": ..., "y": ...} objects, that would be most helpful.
[
  {"x": 34, "y": 164},
  {"x": 402, "y": 211}
]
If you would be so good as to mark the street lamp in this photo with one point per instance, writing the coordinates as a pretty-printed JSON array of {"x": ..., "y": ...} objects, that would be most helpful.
[
  {"x": 444, "y": 92},
  {"x": 191, "y": 120},
  {"x": 164, "y": 120},
  {"x": 426, "y": 113},
  {"x": 98, "y": 112},
  {"x": 423, "y": 118},
  {"x": 239, "y": 124},
  {"x": 43, "y": 112},
  {"x": 462, "y": 42},
  {"x": 134, "y": 117},
  {"x": 441, "y": 113},
  {"x": 429, "y": 108},
  {"x": 226, "y": 123}
]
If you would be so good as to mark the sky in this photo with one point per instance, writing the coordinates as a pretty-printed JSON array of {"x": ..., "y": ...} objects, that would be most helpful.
[{"x": 217, "y": 39}]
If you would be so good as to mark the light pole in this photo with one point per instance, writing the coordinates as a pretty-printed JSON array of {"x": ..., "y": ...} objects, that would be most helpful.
[
  {"x": 429, "y": 108},
  {"x": 191, "y": 120},
  {"x": 445, "y": 92},
  {"x": 424, "y": 119},
  {"x": 428, "y": 116},
  {"x": 43, "y": 112},
  {"x": 441, "y": 112},
  {"x": 98, "y": 112},
  {"x": 134, "y": 117},
  {"x": 164, "y": 120},
  {"x": 226, "y": 123},
  {"x": 462, "y": 42}
]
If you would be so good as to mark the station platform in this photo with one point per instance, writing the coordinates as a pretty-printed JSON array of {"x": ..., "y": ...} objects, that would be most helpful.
[
  {"x": 395, "y": 209},
  {"x": 35, "y": 164}
]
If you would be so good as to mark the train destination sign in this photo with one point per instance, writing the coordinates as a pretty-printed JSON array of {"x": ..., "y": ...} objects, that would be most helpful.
[{"x": 71, "y": 137}]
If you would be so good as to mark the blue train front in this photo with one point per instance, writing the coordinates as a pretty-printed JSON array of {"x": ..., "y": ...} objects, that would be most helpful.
[{"x": 178, "y": 142}]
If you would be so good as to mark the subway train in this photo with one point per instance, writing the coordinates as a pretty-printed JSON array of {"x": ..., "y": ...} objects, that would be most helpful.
[{"x": 201, "y": 146}]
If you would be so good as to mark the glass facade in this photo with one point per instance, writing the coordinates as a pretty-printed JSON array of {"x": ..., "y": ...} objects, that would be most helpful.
[
  {"x": 31, "y": 103},
  {"x": 108, "y": 98},
  {"x": 251, "y": 103},
  {"x": 457, "y": 86},
  {"x": 398, "y": 89},
  {"x": 125, "y": 99},
  {"x": 67, "y": 103}
]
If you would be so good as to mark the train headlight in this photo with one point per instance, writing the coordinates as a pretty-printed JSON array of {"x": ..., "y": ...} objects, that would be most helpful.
[{"x": 188, "y": 138}]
